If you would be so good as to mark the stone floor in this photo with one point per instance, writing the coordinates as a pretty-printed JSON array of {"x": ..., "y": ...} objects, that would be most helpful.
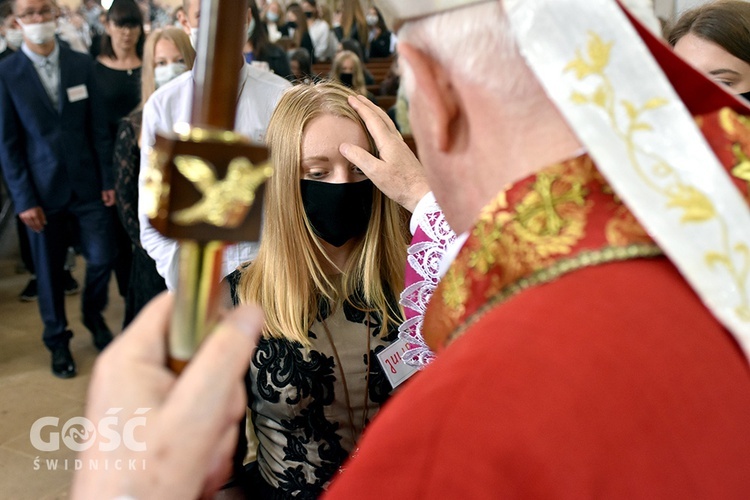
[{"x": 29, "y": 391}]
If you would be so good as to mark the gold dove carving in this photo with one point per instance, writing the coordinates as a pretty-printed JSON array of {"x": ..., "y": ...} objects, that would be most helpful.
[
  {"x": 226, "y": 202},
  {"x": 156, "y": 191}
]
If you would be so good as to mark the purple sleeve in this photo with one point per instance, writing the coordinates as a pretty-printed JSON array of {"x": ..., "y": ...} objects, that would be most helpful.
[{"x": 431, "y": 238}]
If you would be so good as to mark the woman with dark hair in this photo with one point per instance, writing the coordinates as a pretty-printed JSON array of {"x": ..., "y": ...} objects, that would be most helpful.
[
  {"x": 259, "y": 48},
  {"x": 380, "y": 37},
  {"x": 167, "y": 54},
  {"x": 715, "y": 38},
  {"x": 299, "y": 62},
  {"x": 296, "y": 28},
  {"x": 117, "y": 73}
]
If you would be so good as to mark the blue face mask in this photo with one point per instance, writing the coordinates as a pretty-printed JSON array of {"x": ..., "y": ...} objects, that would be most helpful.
[
  {"x": 272, "y": 17},
  {"x": 337, "y": 212}
]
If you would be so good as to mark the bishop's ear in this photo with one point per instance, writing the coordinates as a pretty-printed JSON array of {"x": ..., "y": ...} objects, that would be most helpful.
[{"x": 432, "y": 100}]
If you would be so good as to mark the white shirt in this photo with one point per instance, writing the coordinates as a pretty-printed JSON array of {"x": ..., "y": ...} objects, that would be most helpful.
[
  {"x": 321, "y": 39},
  {"x": 48, "y": 69},
  {"x": 171, "y": 104},
  {"x": 273, "y": 32}
]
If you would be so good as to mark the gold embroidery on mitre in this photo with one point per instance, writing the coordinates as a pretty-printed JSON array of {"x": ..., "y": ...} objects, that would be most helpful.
[{"x": 627, "y": 121}]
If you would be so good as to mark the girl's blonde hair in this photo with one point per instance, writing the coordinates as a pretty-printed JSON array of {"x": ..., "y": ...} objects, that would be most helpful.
[
  {"x": 288, "y": 278},
  {"x": 358, "y": 77},
  {"x": 181, "y": 41}
]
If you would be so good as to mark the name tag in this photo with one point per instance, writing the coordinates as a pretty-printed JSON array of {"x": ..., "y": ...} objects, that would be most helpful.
[
  {"x": 393, "y": 363},
  {"x": 78, "y": 93}
]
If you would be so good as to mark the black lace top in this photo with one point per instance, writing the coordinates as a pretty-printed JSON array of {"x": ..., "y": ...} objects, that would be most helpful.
[{"x": 300, "y": 404}]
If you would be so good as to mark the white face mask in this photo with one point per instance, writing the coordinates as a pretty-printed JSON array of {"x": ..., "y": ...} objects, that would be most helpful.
[
  {"x": 14, "y": 38},
  {"x": 194, "y": 37},
  {"x": 164, "y": 74},
  {"x": 251, "y": 28},
  {"x": 39, "y": 33},
  {"x": 372, "y": 19}
]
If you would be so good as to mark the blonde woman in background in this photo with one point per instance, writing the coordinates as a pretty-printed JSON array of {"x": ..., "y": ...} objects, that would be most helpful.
[
  {"x": 348, "y": 70},
  {"x": 167, "y": 53}
]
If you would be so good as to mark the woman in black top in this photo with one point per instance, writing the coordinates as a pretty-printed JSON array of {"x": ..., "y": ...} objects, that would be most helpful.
[
  {"x": 353, "y": 23},
  {"x": 117, "y": 72},
  {"x": 380, "y": 37},
  {"x": 168, "y": 53},
  {"x": 296, "y": 29},
  {"x": 259, "y": 48}
]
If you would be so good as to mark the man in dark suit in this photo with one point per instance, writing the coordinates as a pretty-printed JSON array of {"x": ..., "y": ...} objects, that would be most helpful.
[{"x": 48, "y": 155}]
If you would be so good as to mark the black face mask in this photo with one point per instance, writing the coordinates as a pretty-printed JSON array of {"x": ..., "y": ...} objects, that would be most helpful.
[
  {"x": 308, "y": 14},
  {"x": 292, "y": 24},
  {"x": 337, "y": 212},
  {"x": 746, "y": 95},
  {"x": 347, "y": 79}
]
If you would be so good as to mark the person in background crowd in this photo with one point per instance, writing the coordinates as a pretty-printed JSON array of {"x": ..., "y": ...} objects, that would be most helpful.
[
  {"x": 715, "y": 38},
  {"x": 117, "y": 73},
  {"x": 190, "y": 19},
  {"x": 353, "y": 22},
  {"x": 167, "y": 54},
  {"x": 273, "y": 16},
  {"x": 73, "y": 30},
  {"x": 91, "y": 10},
  {"x": 49, "y": 136},
  {"x": 353, "y": 45},
  {"x": 326, "y": 14},
  {"x": 177, "y": 16},
  {"x": 259, "y": 50},
  {"x": 324, "y": 42},
  {"x": 379, "y": 37},
  {"x": 171, "y": 104},
  {"x": 11, "y": 33},
  {"x": 296, "y": 29},
  {"x": 301, "y": 66},
  {"x": 347, "y": 70},
  {"x": 97, "y": 34}
]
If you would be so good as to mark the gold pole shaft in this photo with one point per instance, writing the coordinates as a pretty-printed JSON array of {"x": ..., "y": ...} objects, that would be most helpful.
[{"x": 196, "y": 309}]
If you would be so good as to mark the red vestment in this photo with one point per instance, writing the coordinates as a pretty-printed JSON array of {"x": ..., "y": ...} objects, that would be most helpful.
[{"x": 573, "y": 360}]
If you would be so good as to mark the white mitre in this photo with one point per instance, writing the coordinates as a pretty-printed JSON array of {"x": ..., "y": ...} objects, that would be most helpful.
[
  {"x": 396, "y": 11},
  {"x": 600, "y": 69}
]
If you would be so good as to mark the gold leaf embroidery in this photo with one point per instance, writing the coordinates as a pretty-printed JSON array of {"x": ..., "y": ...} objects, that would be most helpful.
[
  {"x": 598, "y": 58},
  {"x": 695, "y": 205},
  {"x": 664, "y": 179},
  {"x": 742, "y": 169}
]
